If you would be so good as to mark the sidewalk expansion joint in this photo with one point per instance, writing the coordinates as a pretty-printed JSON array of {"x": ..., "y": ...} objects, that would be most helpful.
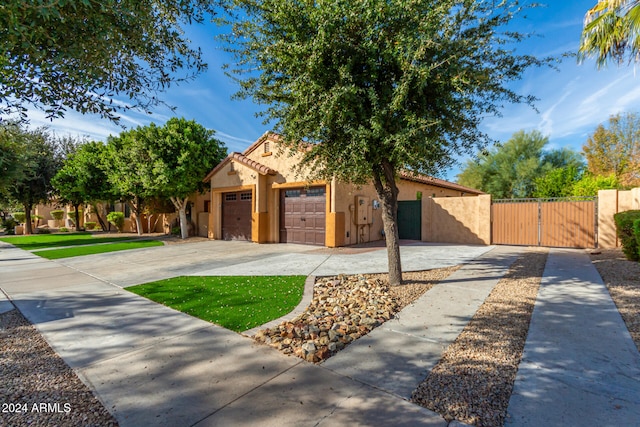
[{"x": 246, "y": 393}]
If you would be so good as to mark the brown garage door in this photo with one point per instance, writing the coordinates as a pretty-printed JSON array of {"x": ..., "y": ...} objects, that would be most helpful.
[
  {"x": 236, "y": 215},
  {"x": 302, "y": 215}
]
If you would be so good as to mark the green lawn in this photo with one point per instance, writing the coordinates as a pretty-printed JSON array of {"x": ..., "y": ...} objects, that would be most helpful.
[
  {"x": 43, "y": 241},
  {"x": 81, "y": 244},
  {"x": 97, "y": 249},
  {"x": 234, "y": 302}
]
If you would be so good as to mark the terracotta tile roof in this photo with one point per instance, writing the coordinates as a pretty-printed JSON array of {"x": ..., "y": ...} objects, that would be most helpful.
[
  {"x": 424, "y": 179},
  {"x": 267, "y": 135},
  {"x": 244, "y": 160}
]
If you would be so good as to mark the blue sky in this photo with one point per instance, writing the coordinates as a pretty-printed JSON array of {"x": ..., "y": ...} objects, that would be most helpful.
[{"x": 573, "y": 100}]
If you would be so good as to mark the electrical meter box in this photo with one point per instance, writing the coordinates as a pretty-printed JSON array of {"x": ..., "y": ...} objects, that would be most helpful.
[{"x": 362, "y": 210}]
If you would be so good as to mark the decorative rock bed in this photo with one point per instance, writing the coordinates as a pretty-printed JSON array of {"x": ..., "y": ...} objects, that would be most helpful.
[{"x": 343, "y": 309}]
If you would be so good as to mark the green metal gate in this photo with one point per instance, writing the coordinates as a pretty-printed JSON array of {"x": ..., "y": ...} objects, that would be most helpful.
[{"x": 410, "y": 219}]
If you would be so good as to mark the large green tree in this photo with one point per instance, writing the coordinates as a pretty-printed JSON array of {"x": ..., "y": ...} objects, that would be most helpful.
[
  {"x": 128, "y": 163},
  {"x": 510, "y": 170},
  {"x": 41, "y": 158},
  {"x": 85, "y": 54},
  {"x": 611, "y": 32},
  {"x": 83, "y": 179},
  {"x": 557, "y": 182},
  {"x": 614, "y": 149},
  {"x": 14, "y": 162},
  {"x": 180, "y": 154},
  {"x": 162, "y": 162},
  {"x": 378, "y": 86}
]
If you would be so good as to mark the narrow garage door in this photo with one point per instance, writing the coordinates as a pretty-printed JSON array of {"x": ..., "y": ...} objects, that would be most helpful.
[
  {"x": 236, "y": 215},
  {"x": 302, "y": 215}
]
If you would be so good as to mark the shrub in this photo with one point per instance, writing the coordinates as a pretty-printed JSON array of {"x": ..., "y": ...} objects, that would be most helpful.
[
  {"x": 117, "y": 219},
  {"x": 20, "y": 217},
  {"x": 636, "y": 232},
  {"x": 176, "y": 231},
  {"x": 625, "y": 230},
  {"x": 90, "y": 225},
  {"x": 44, "y": 231},
  {"x": 64, "y": 229},
  {"x": 72, "y": 216},
  {"x": 57, "y": 214},
  {"x": 9, "y": 226}
]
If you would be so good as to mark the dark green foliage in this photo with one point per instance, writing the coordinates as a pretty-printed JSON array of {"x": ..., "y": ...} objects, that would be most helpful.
[
  {"x": 636, "y": 233},
  {"x": 82, "y": 178},
  {"x": 9, "y": 225},
  {"x": 117, "y": 219},
  {"x": 625, "y": 222},
  {"x": 80, "y": 54},
  {"x": 19, "y": 216},
  {"x": 57, "y": 214},
  {"x": 166, "y": 162},
  {"x": 40, "y": 159},
  {"x": 522, "y": 168}
]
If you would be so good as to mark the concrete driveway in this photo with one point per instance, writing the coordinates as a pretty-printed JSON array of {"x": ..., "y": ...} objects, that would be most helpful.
[{"x": 233, "y": 258}]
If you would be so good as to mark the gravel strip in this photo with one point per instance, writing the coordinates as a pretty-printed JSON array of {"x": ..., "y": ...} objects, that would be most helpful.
[
  {"x": 343, "y": 309},
  {"x": 622, "y": 278},
  {"x": 473, "y": 381},
  {"x": 37, "y": 387}
]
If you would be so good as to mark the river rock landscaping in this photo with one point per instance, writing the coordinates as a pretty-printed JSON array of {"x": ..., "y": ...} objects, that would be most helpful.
[{"x": 343, "y": 309}]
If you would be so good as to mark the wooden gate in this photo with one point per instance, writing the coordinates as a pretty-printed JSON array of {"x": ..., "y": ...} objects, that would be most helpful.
[{"x": 564, "y": 222}]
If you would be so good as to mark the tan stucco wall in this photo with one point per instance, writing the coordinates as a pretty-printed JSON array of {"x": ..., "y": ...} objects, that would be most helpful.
[
  {"x": 465, "y": 220},
  {"x": 611, "y": 202}
]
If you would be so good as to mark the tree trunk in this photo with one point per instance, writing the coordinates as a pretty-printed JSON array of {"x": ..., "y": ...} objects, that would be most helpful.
[
  {"x": 136, "y": 207},
  {"x": 388, "y": 193},
  {"x": 77, "y": 217},
  {"x": 181, "y": 206},
  {"x": 103, "y": 225},
  {"x": 28, "y": 229}
]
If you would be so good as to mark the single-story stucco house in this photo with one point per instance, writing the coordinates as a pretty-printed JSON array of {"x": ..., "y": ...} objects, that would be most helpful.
[{"x": 256, "y": 195}]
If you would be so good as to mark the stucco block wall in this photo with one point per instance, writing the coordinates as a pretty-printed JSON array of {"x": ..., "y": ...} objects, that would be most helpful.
[
  {"x": 465, "y": 220},
  {"x": 611, "y": 202}
]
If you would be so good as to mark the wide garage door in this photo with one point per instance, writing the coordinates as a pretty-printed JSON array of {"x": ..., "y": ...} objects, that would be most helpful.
[
  {"x": 236, "y": 215},
  {"x": 302, "y": 215}
]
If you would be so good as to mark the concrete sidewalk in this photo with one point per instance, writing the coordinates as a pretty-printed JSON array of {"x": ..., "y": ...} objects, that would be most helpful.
[
  {"x": 580, "y": 366},
  {"x": 151, "y": 365}
]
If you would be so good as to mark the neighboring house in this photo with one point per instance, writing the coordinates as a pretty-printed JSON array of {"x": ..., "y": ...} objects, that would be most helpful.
[
  {"x": 197, "y": 213},
  {"x": 257, "y": 196}
]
